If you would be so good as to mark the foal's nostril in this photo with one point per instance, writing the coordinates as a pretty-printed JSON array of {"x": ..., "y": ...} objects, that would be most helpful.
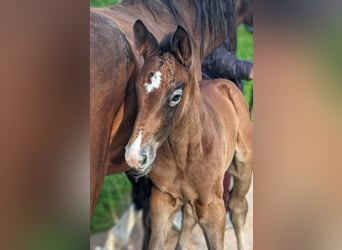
[{"x": 143, "y": 159}]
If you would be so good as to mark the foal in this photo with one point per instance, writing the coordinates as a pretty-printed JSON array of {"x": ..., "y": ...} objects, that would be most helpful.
[{"x": 199, "y": 130}]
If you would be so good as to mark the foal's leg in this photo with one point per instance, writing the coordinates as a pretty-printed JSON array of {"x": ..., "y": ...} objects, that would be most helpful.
[
  {"x": 241, "y": 169},
  {"x": 162, "y": 210},
  {"x": 188, "y": 225},
  {"x": 212, "y": 219}
]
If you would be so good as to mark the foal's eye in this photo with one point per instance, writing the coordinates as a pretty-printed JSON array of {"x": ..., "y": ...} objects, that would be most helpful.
[{"x": 176, "y": 97}]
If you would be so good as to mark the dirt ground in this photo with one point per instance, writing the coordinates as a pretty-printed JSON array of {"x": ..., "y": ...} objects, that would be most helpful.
[{"x": 195, "y": 242}]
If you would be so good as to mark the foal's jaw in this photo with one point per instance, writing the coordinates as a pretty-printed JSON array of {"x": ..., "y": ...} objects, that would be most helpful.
[{"x": 140, "y": 158}]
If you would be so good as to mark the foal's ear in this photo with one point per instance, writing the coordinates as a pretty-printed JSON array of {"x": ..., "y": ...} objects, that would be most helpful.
[
  {"x": 181, "y": 46},
  {"x": 145, "y": 42}
]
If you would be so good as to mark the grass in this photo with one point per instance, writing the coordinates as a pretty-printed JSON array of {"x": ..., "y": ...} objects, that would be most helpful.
[
  {"x": 113, "y": 199},
  {"x": 103, "y": 3},
  {"x": 245, "y": 52},
  {"x": 114, "y": 195}
]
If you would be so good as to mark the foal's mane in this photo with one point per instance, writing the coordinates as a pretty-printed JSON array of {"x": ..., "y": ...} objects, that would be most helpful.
[{"x": 215, "y": 16}]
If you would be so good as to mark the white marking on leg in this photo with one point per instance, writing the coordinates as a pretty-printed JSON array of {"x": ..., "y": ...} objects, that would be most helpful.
[
  {"x": 155, "y": 82},
  {"x": 242, "y": 240}
]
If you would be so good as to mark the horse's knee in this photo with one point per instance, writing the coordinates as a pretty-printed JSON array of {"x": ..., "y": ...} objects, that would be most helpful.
[
  {"x": 238, "y": 206},
  {"x": 161, "y": 206},
  {"x": 205, "y": 212},
  {"x": 159, "y": 199}
]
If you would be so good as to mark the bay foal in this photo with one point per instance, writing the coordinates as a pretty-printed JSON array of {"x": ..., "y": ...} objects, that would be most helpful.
[
  {"x": 114, "y": 62},
  {"x": 186, "y": 135}
]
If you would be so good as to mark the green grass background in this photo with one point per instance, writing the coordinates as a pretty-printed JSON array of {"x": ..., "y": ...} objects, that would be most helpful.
[
  {"x": 245, "y": 51},
  {"x": 103, "y": 3},
  {"x": 113, "y": 199},
  {"x": 114, "y": 195}
]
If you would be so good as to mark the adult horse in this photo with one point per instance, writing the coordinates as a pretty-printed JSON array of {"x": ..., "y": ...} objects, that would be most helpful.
[
  {"x": 114, "y": 62},
  {"x": 199, "y": 131}
]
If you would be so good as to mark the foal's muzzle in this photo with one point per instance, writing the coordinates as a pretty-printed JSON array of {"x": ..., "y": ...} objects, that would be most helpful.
[{"x": 141, "y": 160}]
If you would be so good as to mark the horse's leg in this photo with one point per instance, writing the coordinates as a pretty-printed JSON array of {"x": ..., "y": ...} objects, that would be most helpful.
[
  {"x": 141, "y": 192},
  {"x": 101, "y": 117},
  {"x": 117, "y": 163},
  {"x": 241, "y": 169},
  {"x": 212, "y": 219},
  {"x": 188, "y": 225},
  {"x": 147, "y": 225},
  {"x": 162, "y": 209},
  {"x": 103, "y": 108},
  {"x": 226, "y": 189}
]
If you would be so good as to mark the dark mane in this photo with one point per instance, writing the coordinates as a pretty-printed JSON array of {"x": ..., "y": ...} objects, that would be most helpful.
[
  {"x": 214, "y": 16},
  {"x": 219, "y": 18}
]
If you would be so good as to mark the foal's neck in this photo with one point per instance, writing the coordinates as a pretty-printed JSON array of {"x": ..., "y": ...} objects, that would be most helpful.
[{"x": 185, "y": 138}]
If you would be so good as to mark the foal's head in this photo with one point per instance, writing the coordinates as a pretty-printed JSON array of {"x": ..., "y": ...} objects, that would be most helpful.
[{"x": 163, "y": 88}]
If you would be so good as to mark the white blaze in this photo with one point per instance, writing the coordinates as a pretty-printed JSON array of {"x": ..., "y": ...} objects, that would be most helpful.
[
  {"x": 135, "y": 148},
  {"x": 155, "y": 82}
]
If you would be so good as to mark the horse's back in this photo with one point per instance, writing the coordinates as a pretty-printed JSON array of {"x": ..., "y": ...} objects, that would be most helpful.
[
  {"x": 109, "y": 48},
  {"x": 221, "y": 94},
  {"x": 156, "y": 15}
]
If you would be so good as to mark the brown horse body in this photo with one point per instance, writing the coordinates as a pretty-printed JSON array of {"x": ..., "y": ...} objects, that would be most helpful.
[
  {"x": 185, "y": 137},
  {"x": 114, "y": 62}
]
